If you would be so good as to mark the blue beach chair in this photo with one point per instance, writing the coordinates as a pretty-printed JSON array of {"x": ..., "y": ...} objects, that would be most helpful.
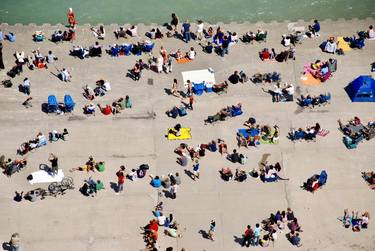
[
  {"x": 52, "y": 105},
  {"x": 69, "y": 103}
]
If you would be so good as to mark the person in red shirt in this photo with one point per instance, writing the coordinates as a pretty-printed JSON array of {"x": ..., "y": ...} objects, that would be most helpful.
[
  {"x": 120, "y": 179},
  {"x": 106, "y": 110},
  {"x": 247, "y": 236}
]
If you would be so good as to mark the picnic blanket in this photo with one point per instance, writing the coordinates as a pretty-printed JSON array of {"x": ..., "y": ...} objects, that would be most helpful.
[
  {"x": 183, "y": 60},
  {"x": 254, "y": 132},
  {"x": 308, "y": 79},
  {"x": 341, "y": 44},
  {"x": 42, "y": 176},
  {"x": 185, "y": 134},
  {"x": 199, "y": 76}
]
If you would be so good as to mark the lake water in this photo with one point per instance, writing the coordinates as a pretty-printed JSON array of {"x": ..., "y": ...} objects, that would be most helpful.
[{"x": 158, "y": 11}]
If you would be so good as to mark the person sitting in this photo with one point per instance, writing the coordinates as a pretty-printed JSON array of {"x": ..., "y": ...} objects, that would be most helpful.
[
  {"x": 208, "y": 48},
  {"x": 226, "y": 173},
  {"x": 38, "y": 36},
  {"x": 173, "y": 113},
  {"x": 120, "y": 33},
  {"x": 88, "y": 92},
  {"x": 285, "y": 55},
  {"x": 234, "y": 157},
  {"x": 55, "y": 136},
  {"x": 11, "y": 37},
  {"x": 209, "y": 32},
  {"x": 330, "y": 45},
  {"x": 286, "y": 40},
  {"x": 64, "y": 75},
  {"x": 116, "y": 108},
  {"x": 155, "y": 182},
  {"x": 106, "y": 110},
  {"x": 294, "y": 238},
  {"x": 264, "y": 54},
  {"x": 248, "y": 37},
  {"x": 369, "y": 177},
  {"x": 240, "y": 175},
  {"x": 233, "y": 39},
  {"x": 99, "y": 33},
  {"x": 191, "y": 54},
  {"x": 135, "y": 72},
  {"x": 234, "y": 78},
  {"x": 132, "y": 31},
  {"x": 261, "y": 35},
  {"x": 69, "y": 35},
  {"x": 102, "y": 88},
  {"x": 96, "y": 50},
  {"x": 89, "y": 109},
  {"x": 57, "y": 36}
]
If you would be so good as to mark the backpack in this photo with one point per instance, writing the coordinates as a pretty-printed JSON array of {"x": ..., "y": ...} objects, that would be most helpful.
[{"x": 7, "y": 83}]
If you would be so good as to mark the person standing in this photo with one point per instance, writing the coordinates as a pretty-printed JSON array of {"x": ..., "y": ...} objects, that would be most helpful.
[
  {"x": 249, "y": 233},
  {"x": 174, "y": 22},
  {"x": 191, "y": 101},
  {"x": 71, "y": 18},
  {"x": 15, "y": 242},
  {"x": 120, "y": 180},
  {"x": 257, "y": 231},
  {"x": 212, "y": 230},
  {"x": 225, "y": 46},
  {"x": 173, "y": 191},
  {"x": 54, "y": 163},
  {"x": 200, "y": 30},
  {"x": 186, "y": 31},
  {"x": 196, "y": 170},
  {"x": 1, "y": 57}
]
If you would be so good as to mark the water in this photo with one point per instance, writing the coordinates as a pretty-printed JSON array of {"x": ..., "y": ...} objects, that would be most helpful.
[{"x": 158, "y": 11}]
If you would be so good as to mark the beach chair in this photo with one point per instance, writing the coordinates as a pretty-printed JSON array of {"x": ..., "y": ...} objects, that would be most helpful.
[
  {"x": 198, "y": 88},
  {"x": 127, "y": 48},
  {"x": 52, "y": 105},
  {"x": 69, "y": 103},
  {"x": 148, "y": 48}
]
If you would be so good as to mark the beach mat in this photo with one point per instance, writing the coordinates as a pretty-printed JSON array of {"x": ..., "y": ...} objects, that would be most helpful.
[
  {"x": 323, "y": 132},
  {"x": 308, "y": 79},
  {"x": 183, "y": 60},
  {"x": 42, "y": 176},
  {"x": 185, "y": 134},
  {"x": 343, "y": 45}
]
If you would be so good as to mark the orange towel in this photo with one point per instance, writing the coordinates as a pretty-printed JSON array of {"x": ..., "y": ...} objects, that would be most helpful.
[
  {"x": 308, "y": 79},
  {"x": 183, "y": 60}
]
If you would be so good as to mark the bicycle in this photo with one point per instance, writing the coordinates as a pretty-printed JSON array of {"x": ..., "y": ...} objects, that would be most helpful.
[{"x": 56, "y": 188}]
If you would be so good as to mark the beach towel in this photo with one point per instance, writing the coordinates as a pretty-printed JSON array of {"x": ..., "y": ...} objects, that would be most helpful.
[
  {"x": 42, "y": 176},
  {"x": 308, "y": 79},
  {"x": 185, "y": 134},
  {"x": 342, "y": 44},
  {"x": 183, "y": 60},
  {"x": 248, "y": 132},
  {"x": 323, "y": 132},
  {"x": 199, "y": 76}
]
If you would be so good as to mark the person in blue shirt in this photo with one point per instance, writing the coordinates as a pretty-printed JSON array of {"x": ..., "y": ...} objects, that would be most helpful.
[
  {"x": 315, "y": 28},
  {"x": 186, "y": 31},
  {"x": 11, "y": 37},
  {"x": 156, "y": 182}
]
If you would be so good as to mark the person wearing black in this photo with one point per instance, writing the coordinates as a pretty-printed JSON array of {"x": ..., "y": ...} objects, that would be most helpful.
[
  {"x": 234, "y": 78},
  {"x": 54, "y": 163},
  {"x": 1, "y": 57},
  {"x": 234, "y": 157},
  {"x": 208, "y": 48},
  {"x": 225, "y": 46},
  {"x": 247, "y": 236}
]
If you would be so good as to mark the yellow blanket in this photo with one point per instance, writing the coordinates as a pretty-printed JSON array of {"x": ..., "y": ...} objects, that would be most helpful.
[
  {"x": 185, "y": 134},
  {"x": 342, "y": 44}
]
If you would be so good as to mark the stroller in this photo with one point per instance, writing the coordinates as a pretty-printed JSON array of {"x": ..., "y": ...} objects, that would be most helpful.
[
  {"x": 69, "y": 103},
  {"x": 316, "y": 181},
  {"x": 52, "y": 105}
]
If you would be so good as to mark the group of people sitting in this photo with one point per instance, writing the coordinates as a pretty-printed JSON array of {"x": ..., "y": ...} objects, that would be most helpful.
[
  {"x": 38, "y": 141},
  {"x": 116, "y": 107},
  {"x": 59, "y": 36},
  {"x": 315, "y": 182},
  {"x": 82, "y": 53},
  {"x": 90, "y": 165},
  {"x": 266, "y": 77},
  {"x": 223, "y": 114},
  {"x": 355, "y": 131},
  {"x": 282, "y": 93},
  {"x": 238, "y": 77},
  {"x": 10, "y": 166},
  {"x": 314, "y": 100},
  {"x": 267, "y": 172},
  {"x": 250, "y": 37},
  {"x": 309, "y": 134},
  {"x": 128, "y": 49},
  {"x": 292, "y": 39},
  {"x": 321, "y": 70},
  {"x": 256, "y": 132},
  {"x": 91, "y": 187},
  {"x": 283, "y": 56},
  {"x": 55, "y": 135},
  {"x": 355, "y": 221},
  {"x": 227, "y": 174}
]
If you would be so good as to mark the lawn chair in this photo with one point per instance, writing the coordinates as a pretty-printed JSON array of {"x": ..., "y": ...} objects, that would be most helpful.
[
  {"x": 52, "y": 105},
  {"x": 69, "y": 103}
]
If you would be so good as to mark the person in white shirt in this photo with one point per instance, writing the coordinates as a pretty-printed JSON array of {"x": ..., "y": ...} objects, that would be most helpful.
[
  {"x": 161, "y": 219},
  {"x": 26, "y": 86},
  {"x": 371, "y": 32},
  {"x": 200, "y": 26},
  {"x": 191, "y": 53},
  {"x": 132, "y": 31},
  {"x": 289, "y": 89},
  {"x": 64, "y": 75}
]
